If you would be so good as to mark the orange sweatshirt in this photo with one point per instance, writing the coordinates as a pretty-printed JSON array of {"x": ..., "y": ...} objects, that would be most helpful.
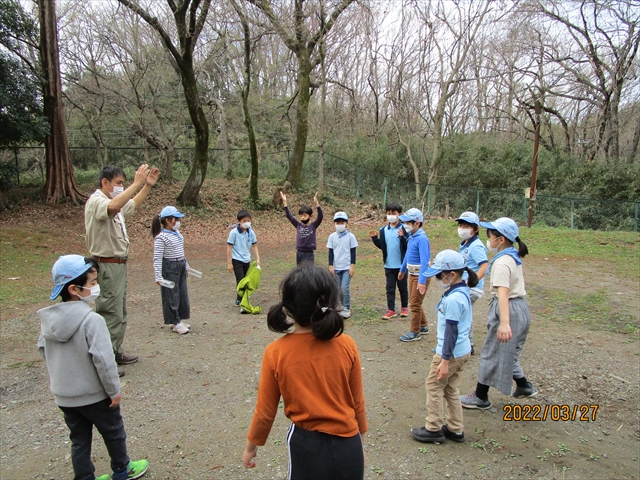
[{"x": 320, "y": 383}]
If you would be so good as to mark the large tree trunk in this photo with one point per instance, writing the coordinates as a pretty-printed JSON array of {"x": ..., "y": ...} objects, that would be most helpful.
[
  {"x": 190, "y": 194},
  {"x": 634, "y": 143},
  {"x": 253, "y": 149},
  {"x": 60, "y": 183},
  {"x": 244, "y": 96},
  {"x": 224, "y": 135},
  {"x": 294, "y": 175}
]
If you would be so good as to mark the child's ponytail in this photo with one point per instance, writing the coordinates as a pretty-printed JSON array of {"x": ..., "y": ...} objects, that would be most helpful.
[
  {"x": 326, "y": 322},
  {"x": 156, "y": 226},
  {"x": 523, "y": 251},
  {"x": 473, "y": 279},
  {"x": 277, "y": 319}
]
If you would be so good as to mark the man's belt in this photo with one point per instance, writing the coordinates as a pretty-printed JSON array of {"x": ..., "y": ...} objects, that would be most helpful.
[{"x": 110, "y": 259}]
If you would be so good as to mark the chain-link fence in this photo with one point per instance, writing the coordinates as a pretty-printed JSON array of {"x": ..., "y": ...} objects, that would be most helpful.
[{"x": 344, "y": 178}]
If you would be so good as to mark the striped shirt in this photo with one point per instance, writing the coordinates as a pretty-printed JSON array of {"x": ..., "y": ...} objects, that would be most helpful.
[{"x": 168, "y": 244}]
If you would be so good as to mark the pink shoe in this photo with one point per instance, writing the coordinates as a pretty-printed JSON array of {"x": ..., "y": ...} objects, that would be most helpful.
[
  {"x": 404, "y": 312},
  {"x": 390, "y": 314},
  {"x": 180, "y": 328}
]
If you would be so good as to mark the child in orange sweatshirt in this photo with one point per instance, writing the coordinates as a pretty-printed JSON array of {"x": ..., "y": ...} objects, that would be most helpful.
[{"x": 316, "y": 369}]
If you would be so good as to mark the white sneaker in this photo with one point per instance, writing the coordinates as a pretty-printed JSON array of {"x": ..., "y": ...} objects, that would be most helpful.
[
  {"x": 180, "y": 328},
  {"x": 345, "y": 313}
]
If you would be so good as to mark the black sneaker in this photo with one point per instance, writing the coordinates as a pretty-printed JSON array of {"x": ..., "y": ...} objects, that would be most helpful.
[
  {"x": 424, "y": 330},
  {"x": 456, "y": 437},
  {"x": 473, "y": 350},
  {"x": 423, "y": 435},
  {"x": 528, "y": 391}
]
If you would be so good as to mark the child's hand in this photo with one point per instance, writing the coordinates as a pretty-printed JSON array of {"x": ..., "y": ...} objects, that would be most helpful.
[
  {"x": 250, "y": 452},
  {"x": 373, "y": 233},
  {"x": 400, "y": 275},
  {"x": 284, "y": 198},
  {"x": 422, "y": 288},
  {"x": 401, "y": 232},
  {"x": 230, "y": 267},
  {"x": 115, "y": 401},
  {"x": 442, "y": 371},
  {"x": 331, "y": 268},
  {"x": 315, "y": 200},
  {"x": 352, "y": 270}
]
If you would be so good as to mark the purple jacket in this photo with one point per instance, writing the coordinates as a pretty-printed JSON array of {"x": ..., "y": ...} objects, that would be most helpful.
[{"x": 305, "y": 234}]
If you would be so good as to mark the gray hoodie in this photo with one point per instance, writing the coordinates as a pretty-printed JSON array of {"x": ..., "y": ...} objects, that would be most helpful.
[{"x": 76, "y": 346}]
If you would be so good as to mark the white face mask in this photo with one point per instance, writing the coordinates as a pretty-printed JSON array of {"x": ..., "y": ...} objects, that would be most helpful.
[
  {"x": 392, "y": 218},
  {"x": 116, "y": 191},
  {"x": 490, "y": 248},
  {"x": 443, "y": 285},
  {"x": 464, "y": 233},
  {"x": 409, "y": 227},
  {"x": 177, "y": 225},
  {"x": 245, "y": 225},
  {"x": 95, "y": 293},
  {"x": 341, "y": 228}
]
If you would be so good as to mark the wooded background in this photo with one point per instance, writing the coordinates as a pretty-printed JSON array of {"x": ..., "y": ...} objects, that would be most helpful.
[{"x": 434, "y": 92}]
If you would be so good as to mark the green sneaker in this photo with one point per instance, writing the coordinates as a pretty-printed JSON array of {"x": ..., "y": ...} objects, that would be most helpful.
[
  {"x": 106, "y": 476},
  {"x": 134, "y": 470}
]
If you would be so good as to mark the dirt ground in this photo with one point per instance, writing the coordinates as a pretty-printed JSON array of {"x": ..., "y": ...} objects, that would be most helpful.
[{"x": 188, "y": 402}]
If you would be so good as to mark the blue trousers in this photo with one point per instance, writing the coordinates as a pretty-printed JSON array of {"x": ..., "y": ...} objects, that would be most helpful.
[{"x": 345, "y": 283}]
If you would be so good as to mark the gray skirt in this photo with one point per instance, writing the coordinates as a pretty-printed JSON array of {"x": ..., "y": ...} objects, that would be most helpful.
[{"x": 499, "y": 363}]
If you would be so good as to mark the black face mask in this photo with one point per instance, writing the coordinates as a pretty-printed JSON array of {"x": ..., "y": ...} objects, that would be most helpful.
[{"x": 305, "y": 221}]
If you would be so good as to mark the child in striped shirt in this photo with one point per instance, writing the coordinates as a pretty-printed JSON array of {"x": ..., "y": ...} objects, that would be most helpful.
[{"x": 170, "y": 265}]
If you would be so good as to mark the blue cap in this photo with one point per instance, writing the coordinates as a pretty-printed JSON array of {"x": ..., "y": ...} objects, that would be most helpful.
[
  {"x": 340, "y": 216},
  {"x": 505, "y": 226},
  {"x": 170, "y": 212},
  {"x": 66, "y": 268},
  {"x": 468, "y": 217},
  {"x": 446, "y": 260},
  {"x": 412, "y": 215}
]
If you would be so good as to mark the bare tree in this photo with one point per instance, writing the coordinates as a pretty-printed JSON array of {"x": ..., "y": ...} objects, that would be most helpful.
[
  {"x": 604, "y": 39},
  {"x": 302, "y": 38},
  {"x": 189, "y": 17},
  {"x": 245, "y": 90}
]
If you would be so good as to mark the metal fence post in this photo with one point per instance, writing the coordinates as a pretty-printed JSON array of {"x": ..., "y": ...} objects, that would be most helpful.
[
  {"x": 524, "y": 208},
  {"x": 478, "y": 203},
  {"x": 635, "y": 219},
  {"x": 430, "y": 197},
  {"x": 358, "y": 182},
  {"x": 572, "y": 208}
]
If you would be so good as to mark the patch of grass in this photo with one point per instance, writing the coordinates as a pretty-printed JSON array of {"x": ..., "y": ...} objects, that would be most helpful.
[
  {"x": 25, "y": 265},
  {"x": 618, "y": 249},
  {"x": 596, "y": 311}
]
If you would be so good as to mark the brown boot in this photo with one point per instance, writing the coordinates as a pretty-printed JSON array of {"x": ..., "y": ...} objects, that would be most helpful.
[
  {"x": 122, "y": 359},
  {"x": 121, "y": 372}
]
